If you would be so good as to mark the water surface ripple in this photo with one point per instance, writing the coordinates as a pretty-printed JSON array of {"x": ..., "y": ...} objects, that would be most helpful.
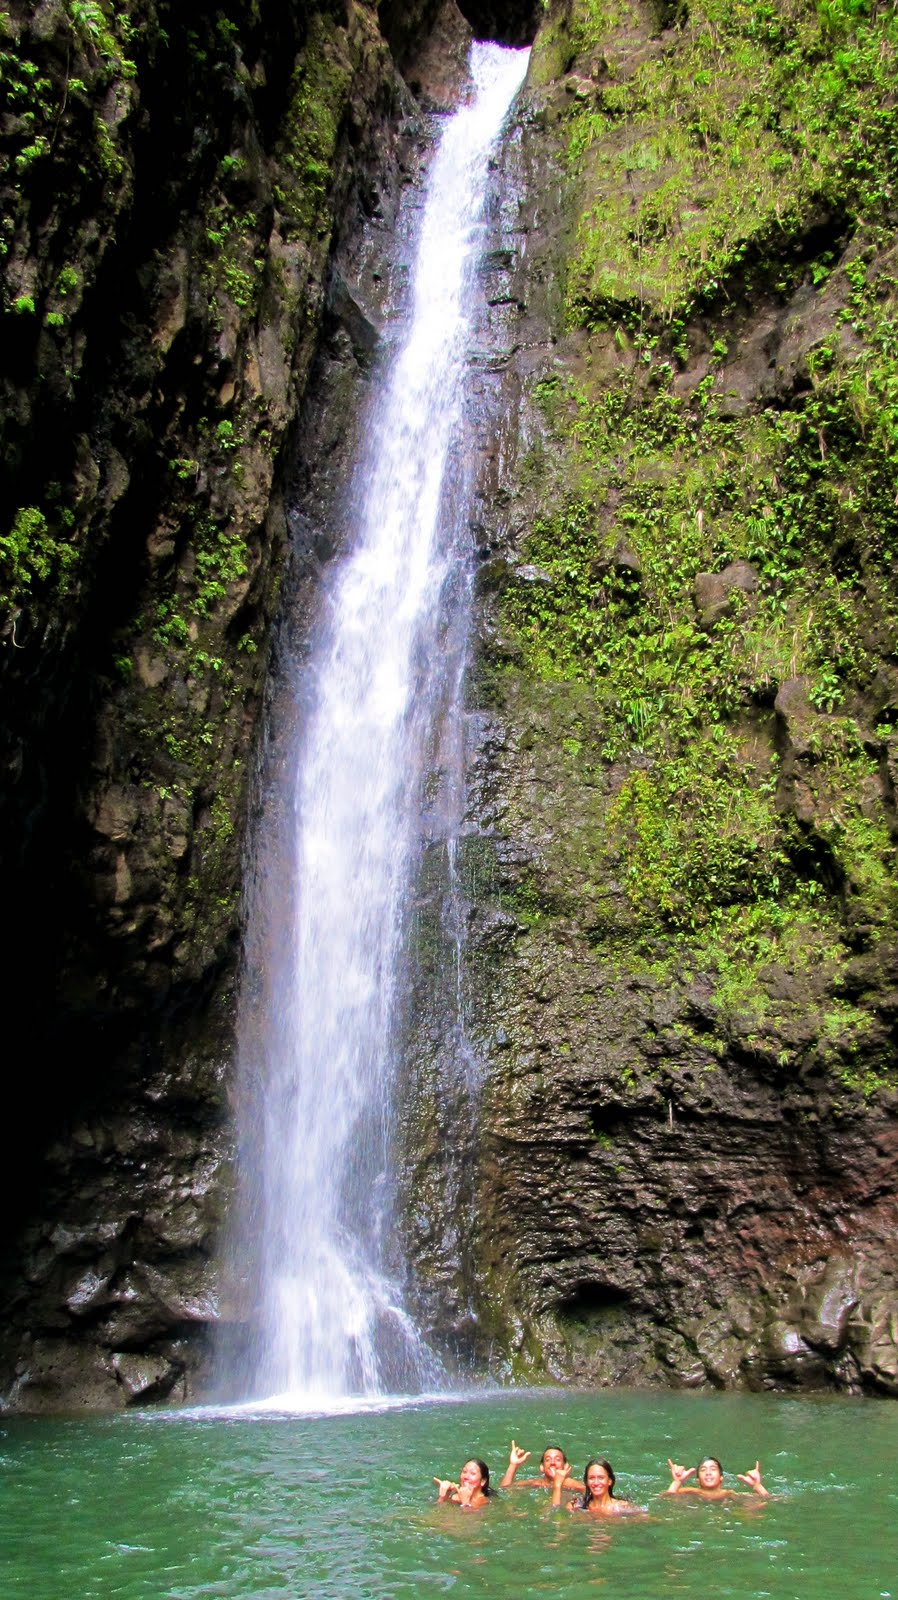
[{"x": 244, "y": 1507}]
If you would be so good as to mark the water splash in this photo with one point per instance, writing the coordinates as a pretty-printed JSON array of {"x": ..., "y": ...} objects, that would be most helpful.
[{"x": 330, "y": 1320}]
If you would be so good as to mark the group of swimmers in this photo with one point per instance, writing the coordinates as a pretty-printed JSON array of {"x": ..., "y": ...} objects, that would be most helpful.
[{"x": 596, "y": 1490}]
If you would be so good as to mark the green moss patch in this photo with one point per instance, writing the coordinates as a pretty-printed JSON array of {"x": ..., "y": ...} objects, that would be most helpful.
[
  {"x": 714, "y": 837},
  {"x": 716, "y": 162}
]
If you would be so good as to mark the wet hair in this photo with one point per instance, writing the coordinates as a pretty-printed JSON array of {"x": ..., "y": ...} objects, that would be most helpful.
[
  {"x": 709, "y": 1458},
  {"x": 596, "y": 1461},
  {"x": 484, "y": 1473},
  {"x": 542, "y": 1459}
]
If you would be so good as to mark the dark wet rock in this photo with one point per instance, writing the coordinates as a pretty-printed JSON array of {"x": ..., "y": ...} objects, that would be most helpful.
[
  {"x": 875, "y": 1340},
  {"x": 622, "y": 567},
  {"x": 676, "y": 1175},
  {"x": 147, "y": 1378},
  {"x": 62, "y": 1374},
  {"x": 796, "y": 719},
  {"x": 829, "y": 1303},
  {"x": 346, "y": 310},
  {"x": 509, "y": 22},
  {"x": 717, "y": 593},
  {"x": 789, "y": 1358},
  {"x": 133, "y": 691},
  {"x": 430, "y": 40},
  {"x": 635, "y": 1166}
]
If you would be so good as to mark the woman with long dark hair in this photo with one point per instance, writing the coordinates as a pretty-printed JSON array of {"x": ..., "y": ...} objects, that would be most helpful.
[
  {"x": 598, "y": 1497},
  {"x": 472, "y": 1489}
]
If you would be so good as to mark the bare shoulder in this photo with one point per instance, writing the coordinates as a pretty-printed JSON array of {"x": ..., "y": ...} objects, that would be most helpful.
[{"x": 704, "y": 1494}]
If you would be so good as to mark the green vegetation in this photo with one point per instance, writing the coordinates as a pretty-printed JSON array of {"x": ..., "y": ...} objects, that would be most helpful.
[
  {"x": 103, "y": 31},
  {"x": 165, "y": 474},
  {"x": 68, "y": 281},
  {"x": 318, "y": 97},
  {"x": 665, "y": 490},
  {"x": 710, "y": 164},
  {"x": 234, "y": 268},
  {"x": 31, "y": 554},
  {"x": 687, "y": 861},
  {"x": 26, "y": 99},
  {"x": 227, "y": 435},
  {"x": 662, "y": 458},
  {"x": 34, "y": 98},
  {"x": 220, "y": 561}
]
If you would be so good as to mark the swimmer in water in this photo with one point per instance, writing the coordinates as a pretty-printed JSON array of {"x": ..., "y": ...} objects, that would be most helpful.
[
  {"x": 472, "y": 1490},
  {"x": 710, "y": 1485},
  {"x": 598, "y": 1495},
  {"x": 552, "y": 1458}
]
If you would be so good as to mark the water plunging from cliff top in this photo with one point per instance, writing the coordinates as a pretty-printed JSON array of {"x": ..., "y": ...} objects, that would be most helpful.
[{"x": 319, "y": 1052}]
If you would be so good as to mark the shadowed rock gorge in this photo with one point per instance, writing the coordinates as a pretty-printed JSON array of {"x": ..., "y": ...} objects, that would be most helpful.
[{"x": 678, "y": 863}]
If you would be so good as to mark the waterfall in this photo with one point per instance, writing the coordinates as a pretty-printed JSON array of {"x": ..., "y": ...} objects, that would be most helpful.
[{"x": 324, "y": 982}]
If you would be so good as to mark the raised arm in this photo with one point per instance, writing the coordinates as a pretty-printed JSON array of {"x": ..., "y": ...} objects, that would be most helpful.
[
  {"x": 753, "y": 1478},
  {"x": 446, "y": 1488},
  {"x": 516, "y": 1459},
  {"x": 678, "y": 1476},
  {"x": 559, "y": 1479}
]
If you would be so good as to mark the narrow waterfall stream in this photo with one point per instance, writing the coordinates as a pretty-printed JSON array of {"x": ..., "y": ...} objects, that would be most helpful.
[{"x": 319, "y": 1054}]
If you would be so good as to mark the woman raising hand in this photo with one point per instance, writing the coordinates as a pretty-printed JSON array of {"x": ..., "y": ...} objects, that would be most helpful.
[{"x": 472, "y": 1490}]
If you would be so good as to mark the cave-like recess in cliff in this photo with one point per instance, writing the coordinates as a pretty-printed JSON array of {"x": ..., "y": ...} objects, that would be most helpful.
[
  {"x": 509, "y": 22},
  {"x": 514, "y": 22}
]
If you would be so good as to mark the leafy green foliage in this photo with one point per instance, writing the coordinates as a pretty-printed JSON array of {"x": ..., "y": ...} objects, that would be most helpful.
[
  {"x": 716, "y": 158},
  {"x": 647, "y": 476},
  {"x": 220, "y": 561},
  {"x": 104, "y": 31},
  {"x": 233, "y": 267},
  {"x": 698, "y": 838},
  {"x": 31, "y": 554},
  {"x": 317, "y": 96},
  {"x": 37, "y": 98}
]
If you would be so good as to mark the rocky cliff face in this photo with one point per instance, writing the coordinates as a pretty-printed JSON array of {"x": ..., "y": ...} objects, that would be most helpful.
[
  {"x": 175, "y": 183},
  {"x": 680, "y": 862}
]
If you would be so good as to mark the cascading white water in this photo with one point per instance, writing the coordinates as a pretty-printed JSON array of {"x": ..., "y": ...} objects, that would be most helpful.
[{"x": 321, "y": 1048}]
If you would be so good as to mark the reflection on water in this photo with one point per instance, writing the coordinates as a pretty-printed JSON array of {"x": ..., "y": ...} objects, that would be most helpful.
[{"x": 249, "y": 1507}]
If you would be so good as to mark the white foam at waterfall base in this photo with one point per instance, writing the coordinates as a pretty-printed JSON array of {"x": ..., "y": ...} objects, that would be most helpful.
[
  {"x": 319, "y": 1055},
  {"x": 309, "y": 1404}
]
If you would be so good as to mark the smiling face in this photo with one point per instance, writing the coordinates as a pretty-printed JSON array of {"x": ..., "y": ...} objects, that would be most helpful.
[
  {"x": 597, "y": 1481},
  {"x": 709, "y": 1473},
  {"x": 471, "y": 1476}
]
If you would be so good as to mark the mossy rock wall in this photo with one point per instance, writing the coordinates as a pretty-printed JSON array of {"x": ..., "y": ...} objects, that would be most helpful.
[
  {"x": 682, "y": 900},
  {"x": 671, "y": 1154},
  {"x": 175, "y": 182}
]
